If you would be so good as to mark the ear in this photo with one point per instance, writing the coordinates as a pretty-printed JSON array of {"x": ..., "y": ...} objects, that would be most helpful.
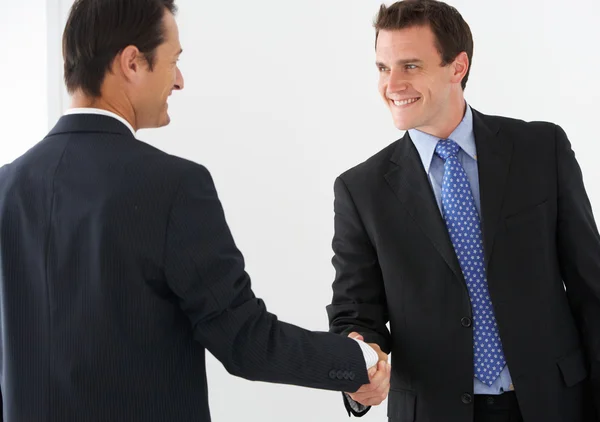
[
  {"x": 460, "y": 66},
  {"x": 130, "y": 62}
]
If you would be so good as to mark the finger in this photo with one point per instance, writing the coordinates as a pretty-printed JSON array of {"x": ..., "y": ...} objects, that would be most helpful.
[
  {"x": 369, "y": 400},
  {"x": 377, "y": 374},
  {"x": 366, "y": 391},
  {"x": 364, "y": 398},
  {"x": 380, "y": 378},
  {"x": 380, "y": 393},
  {"x": 367, "y": 395},
  {"x": 372, "y": 371},
  {"x": 374, "y": 401},
  {"x": 356, "y": 336},
  {"x": 381, "y": 387},
  {"x": 381, "y": 355},
  {"x": 384, "y": 387}
]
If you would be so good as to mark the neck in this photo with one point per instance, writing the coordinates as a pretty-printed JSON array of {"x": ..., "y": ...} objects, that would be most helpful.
[
  {"x": 120, "y": 108},
  {"x": 450, "y": 119}
]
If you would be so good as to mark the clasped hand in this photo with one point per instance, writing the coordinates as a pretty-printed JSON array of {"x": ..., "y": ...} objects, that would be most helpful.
[{"x": 376, "y": 391}]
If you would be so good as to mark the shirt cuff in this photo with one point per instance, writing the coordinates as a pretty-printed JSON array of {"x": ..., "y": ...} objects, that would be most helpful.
[
  {"x": 371, "y": 356},
  {"x": 356, "y": 406}
]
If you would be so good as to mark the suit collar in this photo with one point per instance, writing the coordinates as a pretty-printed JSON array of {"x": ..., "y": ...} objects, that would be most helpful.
[
  {"x": 409, "y": 181},
  {"x": 494, "y": 153},
  {"x": 90, "y": 123},
  {"x": 103, "y": 112},
  {"x": 407, "y": 178}
]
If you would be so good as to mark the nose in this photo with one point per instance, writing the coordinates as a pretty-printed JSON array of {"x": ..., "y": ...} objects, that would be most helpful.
[
  {"x": 397, "y": 82},
  {"x": 178, "y": 80}
]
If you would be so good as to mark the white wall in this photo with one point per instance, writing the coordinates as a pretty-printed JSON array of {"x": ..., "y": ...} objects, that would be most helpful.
[
  {"x": 280, "y": 97},
  {"x": 24, "y": 104}
]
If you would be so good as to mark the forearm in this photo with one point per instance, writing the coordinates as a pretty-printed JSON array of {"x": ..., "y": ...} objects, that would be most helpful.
[{"x": 253, "y": 344}]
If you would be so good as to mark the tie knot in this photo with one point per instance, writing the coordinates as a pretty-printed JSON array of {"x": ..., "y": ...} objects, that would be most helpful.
[{"x": 446, "y": 148}]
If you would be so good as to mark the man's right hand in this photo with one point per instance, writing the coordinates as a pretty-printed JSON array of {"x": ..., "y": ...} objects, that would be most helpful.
[{"x": 376, "y": 391}]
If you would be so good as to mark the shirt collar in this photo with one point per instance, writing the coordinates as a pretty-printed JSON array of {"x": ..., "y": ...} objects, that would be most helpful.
[{"x": 463, "y": 135}]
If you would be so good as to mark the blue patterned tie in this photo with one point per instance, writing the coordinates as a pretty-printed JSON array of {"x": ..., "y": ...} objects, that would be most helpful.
[{"x": 464, "y": 227}]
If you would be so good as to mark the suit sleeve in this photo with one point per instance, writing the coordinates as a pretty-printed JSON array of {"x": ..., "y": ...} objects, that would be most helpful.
[
  {"x": 359, "y": 301},
  {"x": 579, "y": 254},
  {"x": 206, "y": 271}
]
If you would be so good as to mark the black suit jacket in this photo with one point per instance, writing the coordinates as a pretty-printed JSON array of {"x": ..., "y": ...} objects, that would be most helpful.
[
  {"x": 117, "y": 271},
  {"x": 395, "y": 263}
]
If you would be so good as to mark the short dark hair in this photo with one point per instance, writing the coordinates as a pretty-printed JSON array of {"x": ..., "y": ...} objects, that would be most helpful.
[
  {"x": 98, "y": 30},
  {"x": 452, "y": 33}
]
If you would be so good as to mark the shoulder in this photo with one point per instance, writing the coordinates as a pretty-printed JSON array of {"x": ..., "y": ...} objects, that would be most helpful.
[
  {"x": 377, "y": 164},
  {"x": 518, "y": 127}
]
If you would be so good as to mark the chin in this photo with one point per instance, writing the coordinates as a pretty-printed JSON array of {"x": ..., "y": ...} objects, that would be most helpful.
[
  {"x": 403, "y": 124},
  {"x": 164, "y": 121},
  {"x": 404, "y": 120}
]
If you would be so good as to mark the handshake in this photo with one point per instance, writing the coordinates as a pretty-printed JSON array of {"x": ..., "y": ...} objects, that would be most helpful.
[{"x": 376, "y": 391}]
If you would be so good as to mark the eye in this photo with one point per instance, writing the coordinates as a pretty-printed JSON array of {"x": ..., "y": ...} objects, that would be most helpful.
[
  {"x": 410, "y": 66},
  {"x": 382, "y": 68}
]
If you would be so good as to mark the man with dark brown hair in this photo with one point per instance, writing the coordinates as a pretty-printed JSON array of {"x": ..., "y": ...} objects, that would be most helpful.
[
  {"x": 117, "y": 267},
  {"x": 473, "y": 236}
]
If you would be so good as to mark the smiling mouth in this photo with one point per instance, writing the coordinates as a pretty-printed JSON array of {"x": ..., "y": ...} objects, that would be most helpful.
[{"x": 400, "y": 103}]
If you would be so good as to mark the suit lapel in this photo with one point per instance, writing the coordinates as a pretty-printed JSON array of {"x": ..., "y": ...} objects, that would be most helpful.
[
  {"x": 493, "y": 161},
  {"x": 407, "y": 178}
]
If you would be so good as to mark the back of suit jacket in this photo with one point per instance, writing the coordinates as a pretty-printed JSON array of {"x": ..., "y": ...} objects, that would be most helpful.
[{"x": 117, "y": 271}]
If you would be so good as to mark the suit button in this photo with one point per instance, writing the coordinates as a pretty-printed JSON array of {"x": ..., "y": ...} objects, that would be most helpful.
[
  {"x": 490, "y": 401},
  {"x": 332, "y": 374},
  {"x": 340, "y": 375},
  {"x": 466, "y": 398},
  {"x": 466, "y": 322},
  {"x": 351, "y": 375},
  {"x": 346, "y": 375}
]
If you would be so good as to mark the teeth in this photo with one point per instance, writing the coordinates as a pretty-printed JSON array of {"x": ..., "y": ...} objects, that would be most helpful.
[{"x": 405, "y": 102}]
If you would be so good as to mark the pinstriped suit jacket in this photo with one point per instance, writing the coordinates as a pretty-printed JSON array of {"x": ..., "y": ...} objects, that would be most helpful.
[{"x": 118, "y": 270}]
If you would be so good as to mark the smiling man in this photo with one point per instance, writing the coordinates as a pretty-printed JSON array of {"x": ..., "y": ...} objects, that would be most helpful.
[
  {"x": 117, "y": 267},
  {"x": 461, "y": 235}
]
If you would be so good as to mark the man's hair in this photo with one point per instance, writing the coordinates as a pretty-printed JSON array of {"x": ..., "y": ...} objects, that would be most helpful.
[
  {"x": 452, "y": 33},
  {"x": 98, "y": 30}
]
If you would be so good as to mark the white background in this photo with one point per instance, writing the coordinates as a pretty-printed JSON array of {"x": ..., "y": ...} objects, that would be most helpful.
[{"x": 280, "y": 97}]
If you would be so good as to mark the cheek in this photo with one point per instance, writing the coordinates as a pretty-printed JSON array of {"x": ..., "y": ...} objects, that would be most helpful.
[
  {"x": 437, "y": 84},
  {"x": 382, "y": 86}
]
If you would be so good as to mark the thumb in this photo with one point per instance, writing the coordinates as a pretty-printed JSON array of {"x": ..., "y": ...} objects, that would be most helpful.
[{"x": 356, "y": 336}]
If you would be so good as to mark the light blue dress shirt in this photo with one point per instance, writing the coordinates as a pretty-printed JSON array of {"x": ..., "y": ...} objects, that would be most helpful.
[{"x": 434, "y": 167}]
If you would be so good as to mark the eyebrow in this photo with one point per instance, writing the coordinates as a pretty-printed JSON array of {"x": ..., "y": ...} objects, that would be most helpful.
[{"x": 401, "y": 62}]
